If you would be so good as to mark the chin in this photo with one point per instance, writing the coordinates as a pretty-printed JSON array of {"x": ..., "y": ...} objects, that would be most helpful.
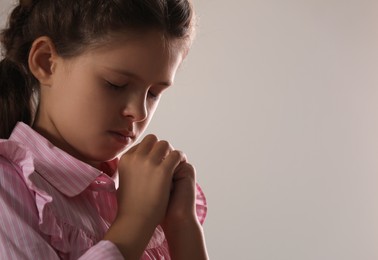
[{"x": 96, "y": 159}]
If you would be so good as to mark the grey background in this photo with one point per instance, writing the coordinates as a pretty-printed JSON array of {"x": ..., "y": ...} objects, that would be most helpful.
[{"x": 276, "y": 106}]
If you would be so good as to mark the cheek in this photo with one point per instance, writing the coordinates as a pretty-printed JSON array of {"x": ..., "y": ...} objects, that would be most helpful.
[
  {"x": 151, "y": 108},
  {"x": 82, "y": 104}
]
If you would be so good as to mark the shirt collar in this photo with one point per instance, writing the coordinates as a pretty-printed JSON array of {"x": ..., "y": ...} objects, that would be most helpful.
[{"x": 66, "y": 173}]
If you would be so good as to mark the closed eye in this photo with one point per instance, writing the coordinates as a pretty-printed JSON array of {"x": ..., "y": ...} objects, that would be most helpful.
[
  {"x": 114, "y": 86},
  {"x": 152, "y": 95},
  {"x": 156, "y": 91}
]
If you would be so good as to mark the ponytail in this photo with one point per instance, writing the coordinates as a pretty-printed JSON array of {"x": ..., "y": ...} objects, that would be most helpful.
[
  {"x": 15, "y": 98},
  {"x": 16, "y": 84}
]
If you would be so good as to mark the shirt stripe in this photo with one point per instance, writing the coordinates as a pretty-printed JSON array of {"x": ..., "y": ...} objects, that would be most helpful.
[{"x": 54, "y": 206}]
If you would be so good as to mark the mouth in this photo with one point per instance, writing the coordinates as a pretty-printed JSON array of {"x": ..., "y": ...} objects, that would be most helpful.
[{"x": 123, "y": 137}]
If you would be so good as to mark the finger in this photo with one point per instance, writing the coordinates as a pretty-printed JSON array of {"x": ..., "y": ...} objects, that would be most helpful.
[
  {"x": 184, "y": 170},
  {"x": 132, "y": 149},
  {"x": 160, "y": 150},
  {"x": 172, "y": 160},
  {"x": 183, "y": 157},
  {"x": 147, "y": 143}
]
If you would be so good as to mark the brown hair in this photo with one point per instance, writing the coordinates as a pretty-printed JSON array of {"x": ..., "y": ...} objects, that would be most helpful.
[{"x": 73, "y": 26}]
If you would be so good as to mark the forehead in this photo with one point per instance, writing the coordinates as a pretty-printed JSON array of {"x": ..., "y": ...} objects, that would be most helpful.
[
  {"x": 153, "y": 40},
  {"x": 148, "y": 53}
]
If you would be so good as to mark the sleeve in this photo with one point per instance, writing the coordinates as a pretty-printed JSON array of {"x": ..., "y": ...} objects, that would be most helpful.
[
  {"x": 201, "y": 204},
  {"x": 20, "y": 237},
  {"x": 103, "y": 250}
]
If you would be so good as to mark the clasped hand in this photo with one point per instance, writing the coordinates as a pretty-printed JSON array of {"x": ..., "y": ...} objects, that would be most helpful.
[{"x": 157, "y": 184}]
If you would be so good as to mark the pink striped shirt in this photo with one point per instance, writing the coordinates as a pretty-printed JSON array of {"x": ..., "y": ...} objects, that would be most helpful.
[{"x": 54, "y": 206}]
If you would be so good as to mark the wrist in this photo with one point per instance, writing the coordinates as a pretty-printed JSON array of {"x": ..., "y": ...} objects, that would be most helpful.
[
  {"x": 186, "y": 240},
  {"x": 182, "y": 226},
  {"x": 130, "y": 235}
]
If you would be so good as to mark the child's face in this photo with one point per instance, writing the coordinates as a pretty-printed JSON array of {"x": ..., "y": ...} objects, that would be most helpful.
[{"x": 100, "y": 102}]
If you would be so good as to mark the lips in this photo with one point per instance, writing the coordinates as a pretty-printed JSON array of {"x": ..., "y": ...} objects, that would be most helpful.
[{"x": 124, "y": 137}]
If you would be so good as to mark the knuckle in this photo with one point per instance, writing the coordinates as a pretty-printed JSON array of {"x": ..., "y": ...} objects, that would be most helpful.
[
  {"x": 151, "y": 137},
  {"x": 191, "y": 167},
  {"x": 190, "y": 170},
  {"x": 164, "y": 144},
  {"x": 175, "y": 154},
  {"x": 182, "y": 154}
]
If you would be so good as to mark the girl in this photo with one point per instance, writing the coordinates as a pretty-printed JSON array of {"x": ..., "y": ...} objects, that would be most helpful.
[{"x": 79, "y": 83}]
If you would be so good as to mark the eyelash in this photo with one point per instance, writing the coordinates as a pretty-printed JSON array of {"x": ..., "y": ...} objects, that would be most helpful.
[
  {"x": 152, "y": 95},
  {"x": 116, "y": 87}
]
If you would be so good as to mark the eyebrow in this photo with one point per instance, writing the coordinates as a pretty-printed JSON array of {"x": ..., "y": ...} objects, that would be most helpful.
[{"x": 135, "y": 76}]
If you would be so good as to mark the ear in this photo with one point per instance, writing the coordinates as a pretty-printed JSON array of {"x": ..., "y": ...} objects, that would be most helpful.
[{"x": 42, "y": 60}]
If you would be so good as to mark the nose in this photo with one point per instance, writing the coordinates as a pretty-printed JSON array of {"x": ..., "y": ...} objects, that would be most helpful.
[{"x": 136, "y": 108}]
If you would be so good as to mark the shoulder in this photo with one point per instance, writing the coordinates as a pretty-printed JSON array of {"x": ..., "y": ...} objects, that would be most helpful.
[
  {"x": 15, "y": 163},
  {"x": 14, "y": 154},
  {"x": 20, "y": 235},
  {"x": 10, "y": 177}
]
